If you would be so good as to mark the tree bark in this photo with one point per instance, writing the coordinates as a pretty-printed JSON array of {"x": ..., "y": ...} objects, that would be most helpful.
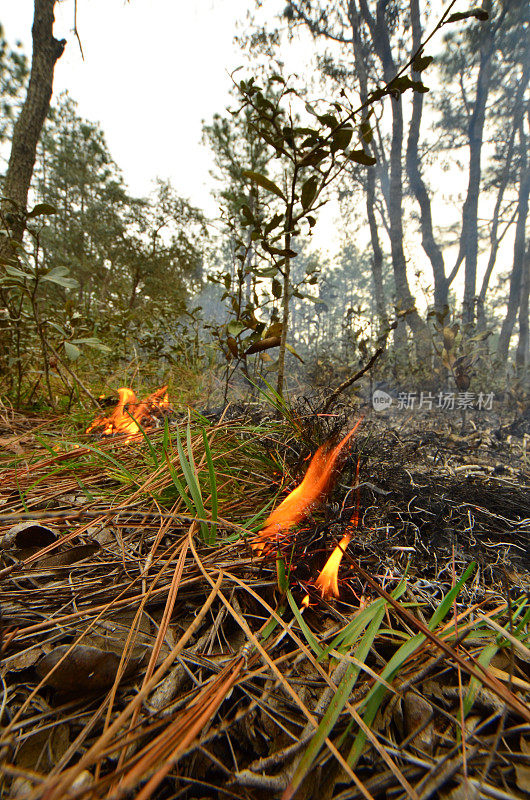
[
  {"x": 377, "y": 260},
  {"x": 417, "y": 184},
  {"x": 518, "y": 108},
  {"x": 27, "y": 130},
  {"x": 516, "y": 277},
  {"x": 522, "y": 354},
  {"x": 469, "y": 235},
  {"x": 405, "y": 300}
]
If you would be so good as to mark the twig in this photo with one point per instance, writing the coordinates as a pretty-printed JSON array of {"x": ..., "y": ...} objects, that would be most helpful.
[
  {"x": 73, "y": 375},
  {"x": 350, "y": 381}
]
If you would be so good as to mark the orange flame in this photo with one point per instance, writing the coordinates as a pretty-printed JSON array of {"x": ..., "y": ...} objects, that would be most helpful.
[
  {"x": 328, "y": 579},
  {"x": 129, "y": 413},
  {"x": 297, "y": 505}
]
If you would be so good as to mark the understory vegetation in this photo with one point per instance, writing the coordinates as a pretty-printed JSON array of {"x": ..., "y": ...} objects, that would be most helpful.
[{"x": 264, "y": 495}]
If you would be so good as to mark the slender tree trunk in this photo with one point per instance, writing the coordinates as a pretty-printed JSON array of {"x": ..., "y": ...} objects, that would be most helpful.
[
  {"x": 522, "y": 354},
  {"x": 27, "y": 130},
  {"x": 285, "y": 300},
  {"x": 469, "y": 242},
  {"x": 404, "y": 298},
  {"x": 417, "y": 184},
  {"x": 516, "y": 278},
  {"x": 518, "y": 108},
  {"x": 377, "y": 260}
]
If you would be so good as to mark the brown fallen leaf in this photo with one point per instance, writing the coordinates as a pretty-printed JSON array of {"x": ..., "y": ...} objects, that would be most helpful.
[
  {"x": 27, "y": 535},
  {"x": 418, "y": 715},
  {"x": 85, "y": 669},
  {"x": 71, "y": 556}
]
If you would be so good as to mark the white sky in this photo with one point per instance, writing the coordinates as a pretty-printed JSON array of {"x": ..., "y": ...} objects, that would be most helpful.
[{"x": 153, "y": 70}]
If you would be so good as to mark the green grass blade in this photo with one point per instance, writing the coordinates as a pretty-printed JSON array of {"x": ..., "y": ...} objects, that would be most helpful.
[
  {"x": 213, "y": 482},
  {"x": 194, "y": 487},
  {"x": 338, "y": 702},
  {"x": 376, "y": 695},
  {"x": 345, "y": 638},
  {"x": 109, "y": 459},
  {"x": 148, "y": 441},
  {"x": 312, "y": 642}
]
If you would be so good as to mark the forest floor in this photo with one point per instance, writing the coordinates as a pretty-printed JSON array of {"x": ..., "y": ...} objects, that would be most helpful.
[{"x": 149, "y": 651}]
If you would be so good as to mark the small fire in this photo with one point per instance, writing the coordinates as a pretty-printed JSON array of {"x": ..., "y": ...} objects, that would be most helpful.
[
  {"x": 130, "y": 413},
  {"x": 313, "y": 488},
  {"x": 328, "y": 579}
]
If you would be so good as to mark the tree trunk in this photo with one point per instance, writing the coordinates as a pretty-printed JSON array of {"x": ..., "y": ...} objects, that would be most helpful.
[
  {"x": 469, "y": 235},
  {"x": 417, "y": 185},
  {"x": 522, "y": 354},
  {"x": 404, "y": 298},
  {"x": 377, "y": 260},
  {"x": 516, "y": 278},
  {"x": 518, "y": 109},
  {"x": 26, "y": 133}
]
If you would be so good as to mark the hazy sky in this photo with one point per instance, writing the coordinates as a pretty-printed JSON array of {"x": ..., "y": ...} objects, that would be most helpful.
[{"x": 153, "y": 70}]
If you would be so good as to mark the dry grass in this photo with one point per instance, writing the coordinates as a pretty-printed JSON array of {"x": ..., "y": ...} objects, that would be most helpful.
[{"x": 140, "y": 661}]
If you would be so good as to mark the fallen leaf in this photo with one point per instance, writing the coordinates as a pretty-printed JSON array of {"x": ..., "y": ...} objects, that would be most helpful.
[
  {"x": 27, "y": 535},
  {"x": 85, "y": 669}
]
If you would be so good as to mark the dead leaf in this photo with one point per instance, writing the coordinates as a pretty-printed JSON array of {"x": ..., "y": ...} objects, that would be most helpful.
[
  {"x": 23, "y": 660},
  {"x": 70, "y": 556},
  {"x": 418, "y": 715},
  {"x": 28, "y": 535},
  {"x": 85, "y": 669},
  {"x": 522, "y": 778}
]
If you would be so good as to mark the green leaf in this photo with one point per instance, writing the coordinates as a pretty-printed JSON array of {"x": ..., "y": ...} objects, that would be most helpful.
[
  {"x": 235, "y": 327},
  {"x": 276, "y": 288},
  {"x": 59, "y": 275},
  {"x": 42, "y": 209},
  {"x": 16, "y": 273},
  {"x": 265, "y": 183},
  {"x": 328, "y": 119},
  {"x": 274, "y": 222},
  {"x": 477, "y": 13},
  {"x": 418, "y": 86},
  {"x": 341, "y": 139},
  {"x": 362, "y": 157},
  {"x": 309, "y": 191},
  {"x": 314, "y": 158},
  {"x": 93, "y": 342},
  {"x": 366, "y": 131},
  {"x": 400, "y": 84},
  {"x": 291, "y": 349},
  {"x": 278, "y": 251},
  {"x": 72, "y": 351},
  {"x": 421, "y": 62}
]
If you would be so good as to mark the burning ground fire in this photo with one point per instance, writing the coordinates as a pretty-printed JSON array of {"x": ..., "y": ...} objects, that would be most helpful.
[
  {"x": 131, "y": 413},
  {"x": 313, "y": 489}
]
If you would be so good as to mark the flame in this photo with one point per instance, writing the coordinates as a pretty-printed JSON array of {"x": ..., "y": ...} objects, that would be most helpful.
[
  {"x": 130, "y": 413},
  {"x": 297, "y": 505},
  {"x": 328, "y": 579}
]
